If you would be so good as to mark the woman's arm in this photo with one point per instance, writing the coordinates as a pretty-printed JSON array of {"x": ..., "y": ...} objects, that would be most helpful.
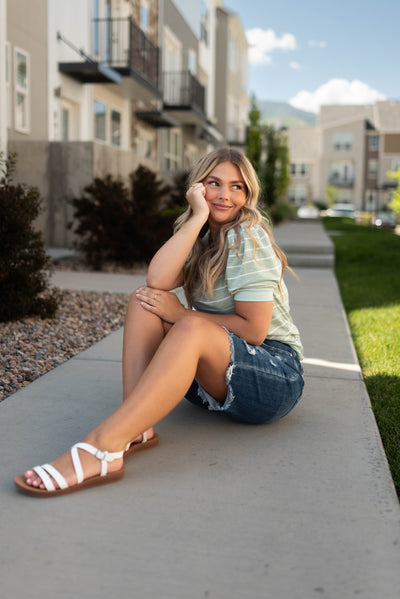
[
  {"x": 251, "y": 320},
  {"x": 166, "y": 268}
]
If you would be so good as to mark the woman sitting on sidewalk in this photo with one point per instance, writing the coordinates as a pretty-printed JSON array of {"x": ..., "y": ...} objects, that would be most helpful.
[{"x": 237, "y": 352}]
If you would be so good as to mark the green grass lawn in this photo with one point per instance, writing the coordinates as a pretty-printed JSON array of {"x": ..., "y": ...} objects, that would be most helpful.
[{"x": 368, "y": 273}]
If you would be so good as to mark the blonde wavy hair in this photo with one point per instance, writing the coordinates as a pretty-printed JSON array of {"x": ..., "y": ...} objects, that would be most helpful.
[{"x": 207, "y": 260}]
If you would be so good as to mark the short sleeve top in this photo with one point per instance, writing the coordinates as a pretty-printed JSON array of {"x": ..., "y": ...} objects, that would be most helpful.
[{"x": 252, "y": 274}]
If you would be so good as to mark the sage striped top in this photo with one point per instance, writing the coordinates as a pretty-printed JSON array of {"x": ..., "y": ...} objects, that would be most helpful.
[{"x": 253, "y": 277}]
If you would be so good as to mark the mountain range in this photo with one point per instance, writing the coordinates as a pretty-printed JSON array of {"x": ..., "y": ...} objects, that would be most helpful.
[{"x": 282, "y": 114}]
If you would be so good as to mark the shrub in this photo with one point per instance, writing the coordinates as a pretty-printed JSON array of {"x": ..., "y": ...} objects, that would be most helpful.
[
  {"x": 118, "y": 224},
  {"x": 23, "y": 260}
]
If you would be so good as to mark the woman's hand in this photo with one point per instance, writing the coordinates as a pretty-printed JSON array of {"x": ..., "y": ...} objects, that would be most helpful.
[
  {"x": 195, "y": 196},
  {"x": 163, "y": 303}
]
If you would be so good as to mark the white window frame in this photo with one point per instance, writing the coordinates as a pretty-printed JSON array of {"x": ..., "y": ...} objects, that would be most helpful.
[
  {"x": 8, "y": 84},
  {"x": 297, "y": 196},
  {"x": 106, "y": 136},
  {"x": 373, "y": 172},
  {"x": 65, "y": 110},
  {"x": 192, "y": 61},
  {"x": 395, "y": 164},
  {"x": 373, "y": 143},
  {"x": 343, "y": 141},
  {"x": 173, "y": 160},
  {"x": 25, "y": 92},
  {"x": 232, "y": 54},
  {"x": 117, "y": 111}
]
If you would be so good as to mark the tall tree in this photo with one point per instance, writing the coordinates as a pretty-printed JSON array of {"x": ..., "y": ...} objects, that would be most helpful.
[
  {"x": 275, "y": 176},
  {"x": 253, "y": 144}
]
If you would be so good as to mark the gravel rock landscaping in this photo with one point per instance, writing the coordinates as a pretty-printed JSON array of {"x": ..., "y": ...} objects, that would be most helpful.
[{"x": 32, "y": 346}]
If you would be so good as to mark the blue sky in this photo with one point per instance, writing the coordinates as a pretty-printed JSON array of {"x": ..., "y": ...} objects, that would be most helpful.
[{"x": 314, "y": 52}]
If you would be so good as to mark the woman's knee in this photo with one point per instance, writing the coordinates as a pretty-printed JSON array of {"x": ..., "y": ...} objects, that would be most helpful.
[{"x": 191, "y": 324}]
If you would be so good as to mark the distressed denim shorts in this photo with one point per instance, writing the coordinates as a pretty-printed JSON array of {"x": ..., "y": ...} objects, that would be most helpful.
[{"x": 264, "y": 382}]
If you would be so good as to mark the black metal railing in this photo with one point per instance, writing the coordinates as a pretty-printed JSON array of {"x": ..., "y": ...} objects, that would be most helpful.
[
  {"x": 122, "y": 45},
  {"x": 182, "y": 89}
]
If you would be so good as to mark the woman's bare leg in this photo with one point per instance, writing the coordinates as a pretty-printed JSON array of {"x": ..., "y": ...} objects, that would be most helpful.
[
  {"x": 193, "y": 347},
  {"x": 143, "y": 333}
]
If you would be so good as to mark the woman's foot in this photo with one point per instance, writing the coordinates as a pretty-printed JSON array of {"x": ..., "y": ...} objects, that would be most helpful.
[{"x": 91, "y": 467}]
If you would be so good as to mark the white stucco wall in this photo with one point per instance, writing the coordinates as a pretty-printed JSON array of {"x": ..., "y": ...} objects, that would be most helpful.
[
  {"x": 3, "y": 91},
  {"x": 62, "y": 17},
  {"x": 190, "y": 9}
]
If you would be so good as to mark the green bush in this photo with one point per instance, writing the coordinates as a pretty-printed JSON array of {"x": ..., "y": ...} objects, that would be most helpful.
[
  {"x": 23, "y": 260},
  {"x": 119, "y": 224},
  {"x": 280, "y": 211}
]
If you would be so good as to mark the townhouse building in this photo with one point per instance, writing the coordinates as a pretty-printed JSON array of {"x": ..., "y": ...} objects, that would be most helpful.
[
  {"x": 231, "y": 78},
  {"x": 353, "y": 149},
  {"x": 93, "y": 87},
  {"x": 4, "y": 77},
  {"x": 304, "y": 152}
]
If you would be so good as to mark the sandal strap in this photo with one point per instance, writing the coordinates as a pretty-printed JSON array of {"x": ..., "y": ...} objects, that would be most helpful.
[
  {"x": 143, "y": 440},
  {"x": 44, "y": 477},
  {"x": 58, "y": 477},
  {"x": 44, "y": 471},
  {"x": 104, "y": 456}
]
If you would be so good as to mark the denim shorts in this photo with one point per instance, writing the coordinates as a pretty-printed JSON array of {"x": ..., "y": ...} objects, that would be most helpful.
[{"x": 264, "y": 382}]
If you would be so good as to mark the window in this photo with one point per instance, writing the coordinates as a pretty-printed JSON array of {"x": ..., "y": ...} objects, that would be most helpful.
[
  {"x": 64, "y": 124},
  {"x": 192, "y": 59},
  {"x": 372, "y": 169},
  {"x": 172, "y": 153},
  {"x": 144, "y": 15},
  {"x": 342, "y": 141},
  {"x": 21, "y": 114},
  {"x": 115, "y": 128},
  {"x": 299, "y": 169},
  {"x": 373, "y": 142},
  {"x": 395, "y": 164},
  {"x": 204, "y": 23},
  {"x": 100, "y": 120},
  {"x": 297, "y": 196},
  {"x": 232, "y": 55},
  {"x": 8, "y": 84}
]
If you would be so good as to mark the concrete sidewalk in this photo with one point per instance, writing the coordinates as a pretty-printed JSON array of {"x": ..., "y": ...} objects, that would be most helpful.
[{"x": 298, "y": 509}]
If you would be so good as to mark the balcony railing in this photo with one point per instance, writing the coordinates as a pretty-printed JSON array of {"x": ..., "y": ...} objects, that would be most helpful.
[
  {"x": 340, "y": 181},
  {"x": 183, "y": 90},
  {"x": 122, "y": 45}
]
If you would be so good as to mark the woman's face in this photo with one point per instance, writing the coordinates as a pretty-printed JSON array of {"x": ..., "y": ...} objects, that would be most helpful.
[{"x": 225, "y": 194}]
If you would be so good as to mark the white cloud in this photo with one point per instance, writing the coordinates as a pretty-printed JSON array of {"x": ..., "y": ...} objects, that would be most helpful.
[
  {"x": 336, "y": 91},
  {"x": 295, "y": 65},
  {"x": 316, "y": 44},
  {"x": 264, "y": 41}
]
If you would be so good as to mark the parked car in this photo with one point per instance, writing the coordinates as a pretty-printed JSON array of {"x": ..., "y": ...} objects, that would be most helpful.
[
  {"x": 342, "y": 210},
  {"x": 384, "y": 220},
  {"x": 308, "y": 212}
]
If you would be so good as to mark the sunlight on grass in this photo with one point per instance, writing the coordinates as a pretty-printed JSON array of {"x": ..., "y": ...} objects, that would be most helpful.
[{"x": 368, "y": 273}]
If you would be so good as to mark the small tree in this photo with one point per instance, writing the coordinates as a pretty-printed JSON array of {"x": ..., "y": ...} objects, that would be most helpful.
[
  {"x": 275, "y": 176},
  {"x": 150, "y": 228},
  {"x": 119, "y": 224},
  {"x": 394, "y": 203},
  {"x": 24, "y": 264}
]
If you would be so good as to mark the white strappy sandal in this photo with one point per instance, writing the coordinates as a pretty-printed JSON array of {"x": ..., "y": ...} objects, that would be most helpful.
[
  {"x": 47, "y": 469},
  {"x": 144, "y": 443}
]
